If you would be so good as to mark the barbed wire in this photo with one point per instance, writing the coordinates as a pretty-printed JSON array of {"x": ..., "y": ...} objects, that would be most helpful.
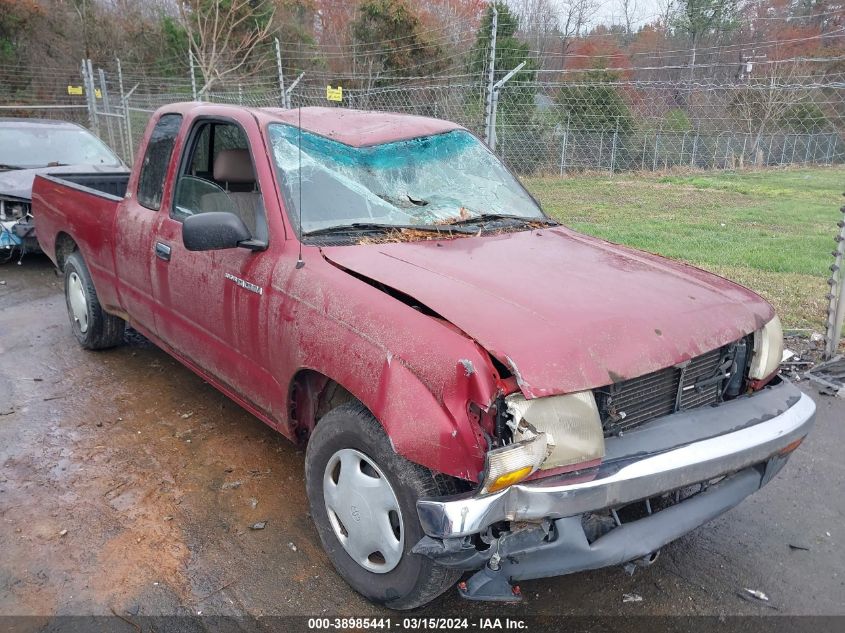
[{"x": 645, "y": 117}]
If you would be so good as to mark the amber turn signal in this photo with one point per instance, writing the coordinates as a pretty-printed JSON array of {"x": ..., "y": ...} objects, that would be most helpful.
[{"x": 786, "y": 450}]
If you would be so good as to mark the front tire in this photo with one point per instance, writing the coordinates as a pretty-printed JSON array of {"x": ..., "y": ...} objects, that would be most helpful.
[
  {"x": 363, "y": 501},
  {"x": 92, "y": 326}
]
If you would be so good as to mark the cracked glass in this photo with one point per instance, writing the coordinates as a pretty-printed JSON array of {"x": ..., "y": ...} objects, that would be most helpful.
[{"x": 424, "y": 181}]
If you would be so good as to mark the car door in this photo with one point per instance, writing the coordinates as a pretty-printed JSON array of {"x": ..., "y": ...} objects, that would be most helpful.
[
  {"x": 212, "y": 306},
  {"x": 137, "y": 219}
]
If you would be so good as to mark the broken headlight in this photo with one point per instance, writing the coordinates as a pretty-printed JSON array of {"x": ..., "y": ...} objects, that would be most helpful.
[
  {"x": 571, "y": 422},
  {"x": 13, "y": 209},
  {"x": 547, "y": 433},
  {"x": 768, "y": 350},
  {"x": 511, "y": 464}
]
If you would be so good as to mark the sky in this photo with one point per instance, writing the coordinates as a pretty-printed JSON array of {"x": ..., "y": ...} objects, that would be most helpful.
[{"x": 645, "y": 11}]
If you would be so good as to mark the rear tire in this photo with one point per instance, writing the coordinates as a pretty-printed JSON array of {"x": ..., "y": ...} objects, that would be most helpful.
[
  {"x": 413, "y": 580},
  {"x": 92, "y": 326}
]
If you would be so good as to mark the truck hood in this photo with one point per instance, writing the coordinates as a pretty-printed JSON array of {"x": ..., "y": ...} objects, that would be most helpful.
[
  {"x": 17, "y": 183},
  {"x": 563, "y": 311}
]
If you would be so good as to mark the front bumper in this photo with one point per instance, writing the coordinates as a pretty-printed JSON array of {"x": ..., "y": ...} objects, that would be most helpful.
[
  {"x": 759, "y": 428},
  {"x": 731, "y": 450}
]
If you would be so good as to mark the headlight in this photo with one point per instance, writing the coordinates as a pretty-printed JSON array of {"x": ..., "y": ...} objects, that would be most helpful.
[
  {"x": 768, "y": 350},
  {"x": 510, "y": 464},
  {"x": 547, "y": 433},
  {"x": 571, "y": 422}
]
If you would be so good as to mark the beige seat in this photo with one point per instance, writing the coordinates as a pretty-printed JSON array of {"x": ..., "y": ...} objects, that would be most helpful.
[{"x": 233, "y": 167}]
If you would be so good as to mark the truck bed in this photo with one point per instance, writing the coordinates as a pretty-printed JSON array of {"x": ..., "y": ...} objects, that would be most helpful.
[
  {"x": 109, "y": 185},
  {"x": 83, "y": 205}
]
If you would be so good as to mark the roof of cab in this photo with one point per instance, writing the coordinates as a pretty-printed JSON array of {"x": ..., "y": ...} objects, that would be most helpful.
[
  {"x": 358, "y": 128},
  {"x": 362, "y": 127}
]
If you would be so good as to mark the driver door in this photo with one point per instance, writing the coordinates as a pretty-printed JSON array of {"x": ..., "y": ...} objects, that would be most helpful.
[{"x": 212, "y": 305}]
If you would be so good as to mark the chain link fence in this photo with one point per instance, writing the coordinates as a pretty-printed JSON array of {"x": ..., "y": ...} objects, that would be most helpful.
[{"x": 541, "y": 127}]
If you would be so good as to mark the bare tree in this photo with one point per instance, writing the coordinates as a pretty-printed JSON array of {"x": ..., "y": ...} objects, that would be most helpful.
[
  {"x": 770, "y": 102},
  {"x": 574, "y": 16},
  {"x": 629, "y": 15},
  {"x": 538, "y": 24},
  {"x": 223, "y": 36}
]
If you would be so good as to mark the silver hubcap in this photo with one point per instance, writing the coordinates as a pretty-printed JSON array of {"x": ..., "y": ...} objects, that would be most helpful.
[
  {"x": 78, "y": 302},
  {"x": 363, "y": 511}
]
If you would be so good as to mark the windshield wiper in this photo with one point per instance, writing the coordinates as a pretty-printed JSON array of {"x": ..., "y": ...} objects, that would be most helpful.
[
  {"x": 358, "y": 227},
  {"x": 503, "y": 216}
]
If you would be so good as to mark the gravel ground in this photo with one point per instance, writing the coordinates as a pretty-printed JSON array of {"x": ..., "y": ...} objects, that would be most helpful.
[{"x": 128, "y": 485}]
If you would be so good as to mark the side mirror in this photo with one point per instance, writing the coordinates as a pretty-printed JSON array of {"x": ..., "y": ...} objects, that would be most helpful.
[{"x": 213, "y": 231}]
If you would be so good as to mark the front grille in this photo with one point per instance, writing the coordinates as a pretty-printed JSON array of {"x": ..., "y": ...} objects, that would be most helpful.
[{"x": 630, "y": 403}]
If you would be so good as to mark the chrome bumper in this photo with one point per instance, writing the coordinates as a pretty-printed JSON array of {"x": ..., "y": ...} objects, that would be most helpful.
[{"x": 624, "y": 481}]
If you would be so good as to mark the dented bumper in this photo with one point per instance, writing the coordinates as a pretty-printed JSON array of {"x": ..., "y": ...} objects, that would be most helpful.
[
  {"x": 665, "y": 455},
  {"x": 555, "y": 525}
]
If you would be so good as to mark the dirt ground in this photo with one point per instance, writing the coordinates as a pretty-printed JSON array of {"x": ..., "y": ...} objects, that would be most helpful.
[{"x": 128, "y": 485}]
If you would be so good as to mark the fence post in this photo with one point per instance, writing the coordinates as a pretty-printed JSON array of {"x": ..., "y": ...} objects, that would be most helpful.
[
  {"x": 492, "y": 139},
  {"x": 282, "y": 98},
  {"x": 563, "y": 145},
  {"x": 613, "y": 150},
  {"x": 193, "y": 76},
  {"x": 656, "y": 143},
  {"x": 488, "y": 111},
  {"x": 104, "y": 91},
  {"x": 694, "y": 148},
  {"x": 836, "y": 308},
  {"x": 829, "y": 150},
  {"x": 124, "y": 129},
  {"x": 93, "y": 92},
  {"x": 88, "y": 95}
]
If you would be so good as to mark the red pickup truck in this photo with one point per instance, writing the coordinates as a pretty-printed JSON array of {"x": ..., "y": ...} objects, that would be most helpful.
[{"x": 479, "y": 388}]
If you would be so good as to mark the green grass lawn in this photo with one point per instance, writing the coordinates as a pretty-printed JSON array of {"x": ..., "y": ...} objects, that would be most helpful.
[{"x": 769, "y": 230}]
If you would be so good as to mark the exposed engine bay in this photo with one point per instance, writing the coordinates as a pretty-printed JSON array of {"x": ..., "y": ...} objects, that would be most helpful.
[{"x": 17, "y": 229}]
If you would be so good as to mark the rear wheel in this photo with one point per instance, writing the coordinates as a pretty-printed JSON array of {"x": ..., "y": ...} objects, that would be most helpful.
[
  {"x": 92, "y": 326},
  {"x": 363, "y": 500}
]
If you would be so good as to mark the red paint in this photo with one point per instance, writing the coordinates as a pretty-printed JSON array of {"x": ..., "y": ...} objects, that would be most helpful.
[
  {"x": 565, "y": 311},
  {"x": 358, "y": 127}
]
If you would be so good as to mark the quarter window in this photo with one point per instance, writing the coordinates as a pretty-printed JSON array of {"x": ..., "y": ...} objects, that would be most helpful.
[{"x": 156, "y": 160}]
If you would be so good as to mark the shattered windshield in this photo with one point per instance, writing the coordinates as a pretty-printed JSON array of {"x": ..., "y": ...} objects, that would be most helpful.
[{"x": 427, "y": 181}]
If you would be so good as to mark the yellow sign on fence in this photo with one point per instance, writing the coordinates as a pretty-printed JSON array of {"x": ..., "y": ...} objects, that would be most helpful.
[
  {"x": 74, "y": 90},
  {"x": 334, "y": 94}
]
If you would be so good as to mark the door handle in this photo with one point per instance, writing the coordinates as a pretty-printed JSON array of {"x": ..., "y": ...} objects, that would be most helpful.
[{"x": 162, "y": 251}]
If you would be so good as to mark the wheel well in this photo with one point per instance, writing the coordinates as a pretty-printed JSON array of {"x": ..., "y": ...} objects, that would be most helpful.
[
  {"x": 64, "y": 247},
  {"x": 310, "y": 397}
]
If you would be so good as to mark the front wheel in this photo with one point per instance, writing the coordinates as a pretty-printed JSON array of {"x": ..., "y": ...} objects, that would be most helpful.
[
  {"x": 92, "y": 326},
  {"x": 363, "y": 500}
]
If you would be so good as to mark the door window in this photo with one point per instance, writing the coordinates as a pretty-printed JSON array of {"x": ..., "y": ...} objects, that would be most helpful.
[
  {"x": 156, "y": 160},
  {"x": 218, "y": 175}
]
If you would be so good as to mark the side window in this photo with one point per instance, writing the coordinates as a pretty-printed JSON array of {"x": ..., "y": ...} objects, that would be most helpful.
[
  {"x": 218, "y": 175},
  {"x": 156, "y": 160},
  {"x": 201, "y": 157}
]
